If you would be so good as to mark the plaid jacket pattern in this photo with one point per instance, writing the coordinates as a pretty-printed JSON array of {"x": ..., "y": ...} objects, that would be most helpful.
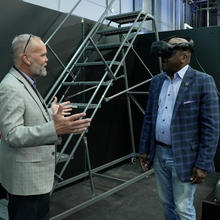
[{"x": 194, "y": 124}]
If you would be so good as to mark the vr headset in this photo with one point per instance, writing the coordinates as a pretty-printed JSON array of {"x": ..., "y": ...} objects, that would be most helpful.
[{"x": 166, "y": 50}]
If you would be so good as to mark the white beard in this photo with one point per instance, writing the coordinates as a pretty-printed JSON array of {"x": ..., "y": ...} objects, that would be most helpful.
[{"x": 38, "y": 70}]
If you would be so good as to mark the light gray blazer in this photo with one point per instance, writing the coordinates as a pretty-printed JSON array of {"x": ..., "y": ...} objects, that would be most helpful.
[{"x": 27, "y": 149}]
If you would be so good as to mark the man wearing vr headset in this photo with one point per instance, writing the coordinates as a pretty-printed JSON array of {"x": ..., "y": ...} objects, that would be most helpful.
[{"x": 181, "y": 128}]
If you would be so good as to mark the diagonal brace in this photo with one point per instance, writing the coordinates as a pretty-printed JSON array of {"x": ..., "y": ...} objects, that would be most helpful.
[{"x": 110, "y": 73}]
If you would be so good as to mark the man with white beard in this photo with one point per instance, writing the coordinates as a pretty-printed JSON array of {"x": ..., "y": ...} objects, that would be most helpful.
[{"x": 30, "y": 132}]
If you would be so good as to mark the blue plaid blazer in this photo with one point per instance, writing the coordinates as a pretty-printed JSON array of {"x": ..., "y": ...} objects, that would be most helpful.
[{"x": 194, "y": 124}]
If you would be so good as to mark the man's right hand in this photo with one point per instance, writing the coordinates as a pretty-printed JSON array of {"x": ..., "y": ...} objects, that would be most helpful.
[
  {"x": 70, "y": 124},
  {"x": 143, "y": 161}
]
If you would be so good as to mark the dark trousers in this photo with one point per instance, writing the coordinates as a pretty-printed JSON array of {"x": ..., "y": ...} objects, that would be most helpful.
[
  {"x": 3, "y": 192},
  {"x": 34, "y": 207}
]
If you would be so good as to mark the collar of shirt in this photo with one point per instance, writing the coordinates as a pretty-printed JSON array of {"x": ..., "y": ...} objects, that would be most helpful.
[
  {"x": 180, "y": 73},
  {"x": 33, "y": 82}
]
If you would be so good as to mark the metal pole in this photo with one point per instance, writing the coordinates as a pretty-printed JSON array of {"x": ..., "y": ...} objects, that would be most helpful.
[
  {"x": 61, "y": 24},
  {"x": 218, "y": 13},
  {"x": 174, "y": 15},
  {"x": 184, "y": 15},
  {"x": 126, "y": 52},
  {"x": 80, "y": 50},
  {"x": 153, "y": 7},
  {"x": 207, "y": 13},
  {"x": 129, "y": 106},
  {"x": 137, "y": 104},
  {"x": 101, "y": 196},
  {"x": 59, "y": 3},
  {"x": 196, "y": 17},
  {"x": 179, "y": 13},
  {"x": 126, "y": 90},
  {"x": 89, "y": 165}
]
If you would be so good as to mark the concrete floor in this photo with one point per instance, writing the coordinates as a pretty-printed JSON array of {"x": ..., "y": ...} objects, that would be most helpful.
[{"x": 137, "y": 201}]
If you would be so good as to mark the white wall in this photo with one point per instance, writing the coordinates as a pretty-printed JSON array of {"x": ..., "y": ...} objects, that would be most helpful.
[
  {"x": 91, "y": 9},
  {"x": 168, "y": 13}
]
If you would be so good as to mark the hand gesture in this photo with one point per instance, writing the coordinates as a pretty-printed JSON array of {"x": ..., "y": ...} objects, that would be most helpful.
[
  {"x": 70, "y": 124},
  {"x": 66, "y": 108}
]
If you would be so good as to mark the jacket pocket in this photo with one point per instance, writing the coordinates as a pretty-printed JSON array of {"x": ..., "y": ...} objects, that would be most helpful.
[{"x": 27, "y": 155}]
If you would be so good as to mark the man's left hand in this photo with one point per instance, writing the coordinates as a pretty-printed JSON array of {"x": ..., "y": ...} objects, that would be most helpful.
[
  {"x": 66, "y": 107},
  {"x": 198, "y": 176}
]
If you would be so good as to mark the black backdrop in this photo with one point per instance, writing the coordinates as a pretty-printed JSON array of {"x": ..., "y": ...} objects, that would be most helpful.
[{"x": 108, "y": 136}]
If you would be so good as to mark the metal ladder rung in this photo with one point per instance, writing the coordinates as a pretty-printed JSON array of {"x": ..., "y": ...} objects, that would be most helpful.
[
  {"x": 113, "y": 31},
  {"x": 107, "y": 46},
  {"x": 92, "y": 83},
  {"x": 127, "y": 17},
  {"x": 83, "y": 105},
  {"x": 98, "y": 63},
  {"x": 63, "y": 157}
]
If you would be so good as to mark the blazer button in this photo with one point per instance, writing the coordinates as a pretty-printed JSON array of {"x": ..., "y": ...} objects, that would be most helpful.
[{"x": 53, "y": 153}]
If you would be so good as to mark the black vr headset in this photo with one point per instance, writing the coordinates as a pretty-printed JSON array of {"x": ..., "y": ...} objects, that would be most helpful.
[{"x": 166, "y": 50}]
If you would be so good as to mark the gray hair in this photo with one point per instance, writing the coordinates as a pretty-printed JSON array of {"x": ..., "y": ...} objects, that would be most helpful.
[{"x": 18, "y": 45}]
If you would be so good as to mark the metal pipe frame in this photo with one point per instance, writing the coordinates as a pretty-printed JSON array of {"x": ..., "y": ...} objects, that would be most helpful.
[
  {"x": 89, "y": 166},
  {"x": 89, "y": 89},
  {"x": 78, "y": 53},
  {"x": 107, "y": 99},
  {"x": 101, "y": 196},
  {"x": 79, "y": 140},
  {"x": 129, "y": 107},
  {"x": 99, "y": 103},
  {"x": 138, "y": 93},
  {"x": 108, "y": 177},
  {"x": 63, "y": 21},
  {"x": 137, "y": 104},
  {"x": 107, "y": 88},
  {"x": 111, "y": 74},
  {"x": 108, "y": 72},
  {"x": 125, "y": 54},
  {"x": 74, "y": 77},
  {"x": 218, "y": 13},
  {"x": 207, "y": 13},
  {"x": 97, "y": 169},
  {"x": 59, "y": 60},
  {"x": 142, "y": 62},
  {"x": 208, "y": 7}
]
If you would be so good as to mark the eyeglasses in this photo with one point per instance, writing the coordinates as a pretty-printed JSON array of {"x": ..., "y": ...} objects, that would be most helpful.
[{"x": 27, "y": 43}]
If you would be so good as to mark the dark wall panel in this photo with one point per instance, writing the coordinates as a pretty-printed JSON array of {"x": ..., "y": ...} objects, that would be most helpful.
[
  {"x": 17, "y": 17},
  {"x": 109, "y": 136}
]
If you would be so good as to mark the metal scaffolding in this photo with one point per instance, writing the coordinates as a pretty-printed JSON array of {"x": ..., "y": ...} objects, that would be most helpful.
[
  {"x": 128, "y": 27},
  {"x": 202, "y": 11}
]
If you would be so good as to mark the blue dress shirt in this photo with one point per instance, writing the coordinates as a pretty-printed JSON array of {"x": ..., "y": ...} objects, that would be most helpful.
[
  {"x": 32, "y": 82},
  {"x": 166, "y": 104}
]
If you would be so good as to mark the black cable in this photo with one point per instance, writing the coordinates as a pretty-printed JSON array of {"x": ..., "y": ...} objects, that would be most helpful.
[{"x": 200, "y": 66}]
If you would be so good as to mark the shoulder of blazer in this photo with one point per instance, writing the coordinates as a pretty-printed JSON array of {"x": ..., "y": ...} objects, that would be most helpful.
[
  {"x": 17, "y": 75},
  {"x": 158, "y": 78},
  {"x": 20, "y": 80},
  {"x": 13, "y": 77},
  {"x": 199, "y": 76}
]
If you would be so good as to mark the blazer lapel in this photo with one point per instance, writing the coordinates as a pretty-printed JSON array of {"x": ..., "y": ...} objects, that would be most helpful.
[
  {"x": 158, "y": 89},
  {"x": 31, "y": 91},
  {"x": 187, "y": 80},
  {"x": 157, "y": 94}
]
